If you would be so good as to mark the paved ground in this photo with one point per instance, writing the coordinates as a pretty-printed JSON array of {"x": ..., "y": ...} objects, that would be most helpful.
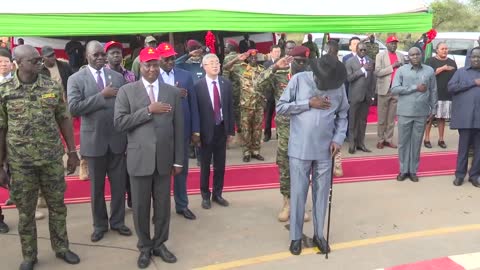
[{"x": 374, "y": 225}]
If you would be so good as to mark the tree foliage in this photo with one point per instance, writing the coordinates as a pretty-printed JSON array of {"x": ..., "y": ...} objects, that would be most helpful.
[{"x": 453, "y": 15}]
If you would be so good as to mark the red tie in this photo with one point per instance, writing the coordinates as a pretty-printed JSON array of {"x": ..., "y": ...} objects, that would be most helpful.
[{"x": 216, "y": 104}]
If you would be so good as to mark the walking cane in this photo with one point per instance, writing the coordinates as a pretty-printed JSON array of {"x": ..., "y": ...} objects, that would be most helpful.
[{"x": 329, "y": 206}]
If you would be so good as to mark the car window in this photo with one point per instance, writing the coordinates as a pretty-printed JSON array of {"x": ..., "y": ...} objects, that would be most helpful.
[{"x": 456, "y": 46}]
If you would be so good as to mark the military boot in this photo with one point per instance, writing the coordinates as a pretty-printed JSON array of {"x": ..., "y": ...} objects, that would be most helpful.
[
  {"x": 83, "y": 174},
  {"x": 284, "y": 214}
]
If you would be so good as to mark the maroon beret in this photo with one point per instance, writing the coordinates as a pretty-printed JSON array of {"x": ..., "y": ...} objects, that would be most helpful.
[
  {"x": 232, "y": 42},
  {"x": 300, "y": 51},
  {"x": 192, "y": 43}
]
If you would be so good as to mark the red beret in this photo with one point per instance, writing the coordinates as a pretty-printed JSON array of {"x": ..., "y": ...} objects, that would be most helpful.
[
  {"x": 300, "y": 51},
  {"x": 232, "y": 42},
  {"x": 148, "y": 54},
  {"x": 193, "y": 43},
  {"x": 166, "y": 50},
  {"x": 252, "y": 52},
  {"x": 112, "y": 44}
]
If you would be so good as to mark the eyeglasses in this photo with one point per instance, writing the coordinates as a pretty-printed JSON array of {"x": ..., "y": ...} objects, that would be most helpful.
[{"x": 36, "y": 60}]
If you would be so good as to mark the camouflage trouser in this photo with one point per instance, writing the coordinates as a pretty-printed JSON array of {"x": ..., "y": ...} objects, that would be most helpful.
[
  {"x": 251, "y": 124},
  {"x": 283, "y": 131},
  {"x": 26, "y": 182},
  {"x": 236, "y": 106}
]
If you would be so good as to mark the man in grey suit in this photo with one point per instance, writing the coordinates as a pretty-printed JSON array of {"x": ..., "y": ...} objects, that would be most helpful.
[
  {"x": 317, "y": 105},
  {"x": 91, "y": 95},
  {"x": 386, "y": 65},
  {"x": 359, "y": 75},
  {"x": 151, "y": 113},
  {"x": 416, "y": 87}
]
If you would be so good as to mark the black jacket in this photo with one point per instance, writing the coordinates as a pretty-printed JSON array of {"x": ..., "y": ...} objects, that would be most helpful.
[{"x": 65, "y": 71}]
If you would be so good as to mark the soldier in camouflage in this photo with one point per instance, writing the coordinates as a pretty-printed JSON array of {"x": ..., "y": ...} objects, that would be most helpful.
[
  {"x": 31, "y": 115},
  {"x": 312, "y": 46},
  {"x": 279, "y": 77},
  {"x": 251, "y": 104},
  {"x": 231, "y": 48},
  {"x": 372, "y": 47}
]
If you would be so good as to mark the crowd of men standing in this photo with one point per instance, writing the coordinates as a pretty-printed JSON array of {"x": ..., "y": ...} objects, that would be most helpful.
[{"x": 136, "y": 127}]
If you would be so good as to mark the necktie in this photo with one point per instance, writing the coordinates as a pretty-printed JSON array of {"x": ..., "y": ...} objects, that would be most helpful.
[
  {"x": 151, "y": 95},
  {"x": 216, "y": 104},
  {"x": 100, "y": 84}
]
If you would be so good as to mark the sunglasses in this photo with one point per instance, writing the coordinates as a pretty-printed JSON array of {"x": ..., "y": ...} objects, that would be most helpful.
[{"x": 36, "y": 60}]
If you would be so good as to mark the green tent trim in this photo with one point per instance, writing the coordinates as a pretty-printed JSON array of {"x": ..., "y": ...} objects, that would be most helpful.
[{"x": 198, "y": 20}]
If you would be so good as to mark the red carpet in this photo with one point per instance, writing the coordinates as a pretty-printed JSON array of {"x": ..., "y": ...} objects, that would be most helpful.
[{"x": 265, "y": 176}]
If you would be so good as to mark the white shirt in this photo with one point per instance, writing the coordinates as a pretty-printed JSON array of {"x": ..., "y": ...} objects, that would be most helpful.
[
  {"x": 168, "y": 78},
  {"x": 8, "y": 76},
  {"x": 94, "y": 73},
  {"x": 147, "y": 87},
  {"x": 210, "y": 91},
  {"x": 365, "y": 61}
]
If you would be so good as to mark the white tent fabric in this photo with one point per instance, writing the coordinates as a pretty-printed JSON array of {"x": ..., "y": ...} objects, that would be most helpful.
[{"x": 297, "y": 7}]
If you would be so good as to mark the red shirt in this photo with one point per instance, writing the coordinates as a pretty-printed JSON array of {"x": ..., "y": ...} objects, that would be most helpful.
[{"x": 393, "y": 58}]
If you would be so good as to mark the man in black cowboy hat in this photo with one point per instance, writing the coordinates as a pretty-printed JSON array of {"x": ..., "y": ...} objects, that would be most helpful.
[{"x": 317, "y": 105}]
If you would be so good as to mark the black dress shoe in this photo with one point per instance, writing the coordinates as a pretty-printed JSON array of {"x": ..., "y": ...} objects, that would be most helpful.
[
  {"x": 267, "y": 138},
  {"x": 123, "y": 230},
  {"x": 220, "y": 200},
  {"x": 144, "y": 260},
  {"x": 246, "y": 158},
  {"x": 414, "y": 177},
  {"x": 427, "y": 144},
  {"x": 186, "y": 213},
  {"x": 97, "y": 236},
  {"x": 165, "y": 254},
  {"x": 296, "y": 247},
  {"x": 351, "y": 149},
  {"x": 402, "y": 176},
  {"x": 458, "y": 181},
  {"x": 68, "y": 256},
  {"x": 475, "y": 182},
  {"x": 321, "y": 244},
  {"x": 28, "y": 265},
  {"x": 206, "y": 204},
  {"x": 364, "y": 149},
  {"x": 442, "y": 144},
  {"x": 258, "y": 157},
  {"x": 3, "y": 227}
]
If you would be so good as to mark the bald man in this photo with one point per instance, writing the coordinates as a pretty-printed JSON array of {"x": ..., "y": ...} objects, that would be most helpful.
[
  {"x": 91, "y": 95},
  {"x": 33, "y": 112},
  {"x": 416, "y": 87}
]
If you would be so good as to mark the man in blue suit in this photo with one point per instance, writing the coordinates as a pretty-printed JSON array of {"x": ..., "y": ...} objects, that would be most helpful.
[{"x": 182, "y": 79}]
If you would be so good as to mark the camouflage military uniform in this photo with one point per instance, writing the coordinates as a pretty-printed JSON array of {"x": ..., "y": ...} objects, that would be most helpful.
[
  {"x": 372, "y": 49},
  {"x": 279, "y": 80},
  {"x": 312, "y": 46},
  {"x": 235, "y": 79},
  {"x": 251, "y": 108},
  {"x": 29, "y": 113}
]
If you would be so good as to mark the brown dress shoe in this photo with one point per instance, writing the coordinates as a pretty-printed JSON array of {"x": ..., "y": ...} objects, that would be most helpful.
[
  {"x": 380, "y": 145},
  {"x": 390, "y": 144}
]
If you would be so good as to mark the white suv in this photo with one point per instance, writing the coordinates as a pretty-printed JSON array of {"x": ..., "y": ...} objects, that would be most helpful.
[{"x": 458, "y": 44}]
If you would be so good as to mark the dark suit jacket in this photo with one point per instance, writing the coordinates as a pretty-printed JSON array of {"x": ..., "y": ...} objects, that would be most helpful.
[
  {"x": 155, "y": 140},
  {"x": 84, "y": 99},
  {"x": 65, "y": 72},
  {"x": 189, "y": 104},
  {"x": 205, "y": 108},
  {"x": 360, "y": 88}
]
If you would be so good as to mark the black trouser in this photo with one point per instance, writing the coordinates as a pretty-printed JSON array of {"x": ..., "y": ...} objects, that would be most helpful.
[
  {"x": 218, "y": 148},
  {"x": 269, "y": 110},
  {"x": 467, "y": 138}
]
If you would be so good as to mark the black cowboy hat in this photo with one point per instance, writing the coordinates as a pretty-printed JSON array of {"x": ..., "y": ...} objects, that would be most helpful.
[{"x": 329, "y": 72}]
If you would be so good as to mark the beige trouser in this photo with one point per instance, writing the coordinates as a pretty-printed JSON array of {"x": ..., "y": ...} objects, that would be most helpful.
[{"x": 387, "y": 109}]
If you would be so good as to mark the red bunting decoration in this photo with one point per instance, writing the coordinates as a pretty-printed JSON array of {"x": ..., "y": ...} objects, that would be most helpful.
[{"x": 210, "y": 41}]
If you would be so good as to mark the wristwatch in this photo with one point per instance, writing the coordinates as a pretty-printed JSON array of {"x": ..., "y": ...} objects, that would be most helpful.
[{"x": 148, "y": 112}]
